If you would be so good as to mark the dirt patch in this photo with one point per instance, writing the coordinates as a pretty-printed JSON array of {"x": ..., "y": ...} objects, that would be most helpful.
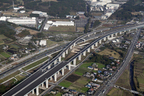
[
  {"x": 32, "y": 32},
  {"x": 72, "y": 78}
]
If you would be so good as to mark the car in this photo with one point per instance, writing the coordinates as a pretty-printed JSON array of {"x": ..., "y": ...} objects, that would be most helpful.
[{"x": 103, "y": 91}]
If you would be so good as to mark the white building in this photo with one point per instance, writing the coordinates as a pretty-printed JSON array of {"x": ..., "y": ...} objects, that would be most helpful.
[
  {"x": 46, "y": 27},
  {"x": 3, "y": 18},
  {"x": 22, "y": 11},
  {"x": 112, "y": 6},
  {"x": 61, "y": 23},
  {"x": 40, "y": 13},
  {"x": 93, "y": 1},
  {"x": 43, "y": 43},
  {"x": 22, "y": 20}
]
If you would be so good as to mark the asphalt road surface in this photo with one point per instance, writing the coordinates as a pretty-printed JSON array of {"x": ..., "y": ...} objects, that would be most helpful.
[
  {"x": 110, "y": 82},
  {"x": 38, "y": 77}
]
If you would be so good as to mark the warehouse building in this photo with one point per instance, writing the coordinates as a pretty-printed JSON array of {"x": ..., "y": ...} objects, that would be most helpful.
[
  {"x": 61, "y": 23},
  {"x": 22, "y": 20},
  {"x": 40, "y": 13}
]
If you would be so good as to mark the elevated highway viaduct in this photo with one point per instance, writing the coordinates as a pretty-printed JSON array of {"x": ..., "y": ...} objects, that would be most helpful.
[{"x": 56, "y": 66}]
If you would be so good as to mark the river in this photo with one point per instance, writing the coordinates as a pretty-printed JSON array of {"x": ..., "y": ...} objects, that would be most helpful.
[{"x": 132, "y": 84}]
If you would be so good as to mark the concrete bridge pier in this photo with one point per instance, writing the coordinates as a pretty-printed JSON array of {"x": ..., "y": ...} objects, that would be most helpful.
[
  {"x": 79, "y": 58},
  {"x": 63, "y": 55},
  {"x": 71, "y": 47},
  {"x": 26, "y": 95},
  {"x": 33, "y": 91},
  {"x": 49, "y": 66},
  {"x": 74, "y": 62},
  {"x": 67, "y": 51},
  {"x": 116, "y": 34},
  {"x": 120, "y": 32},
  {"x": 74, "y": 44},
  {"x": 47, "y": 83},
  {"x": 37, "y": 91},
  {"x": 55, "y": 62},
  {"x": 60, "y": 59},
  {"x": 99, "y": 41},
  {"x": 55, "y": 77},
  {"x": 104, "y": 39},
  {"x": 62, "y": 71},
  {"x": 84, "y": 53},
  {"x": 88, "y": 50},
  {"x": 69, "y": 66},
  {"x": 92, "y": 47},
  {"x": 108, "y": 37},
  {"x": 96, "y": 44},
  {"x": 51, "y": 78},
  {"x": 42, "y": 84}
]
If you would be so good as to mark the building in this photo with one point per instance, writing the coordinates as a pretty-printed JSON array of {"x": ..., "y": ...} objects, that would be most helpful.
[
  {"x": 3, "y": 18},
  {"x": 61, "y": 23},
  {"x": 40, "y": 13},
  {"x": 22, "y": 20},
  {"x": 22, "y": 11},
  {"x": 43, "y": 43},
  {"x": 112, "y": 6},
  {"x": 46, "y": 27}
]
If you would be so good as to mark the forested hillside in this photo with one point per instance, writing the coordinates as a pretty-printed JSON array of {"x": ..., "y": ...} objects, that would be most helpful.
[
  {"x": 59, "y": 8},
  {"x": 124, "y": 12}
]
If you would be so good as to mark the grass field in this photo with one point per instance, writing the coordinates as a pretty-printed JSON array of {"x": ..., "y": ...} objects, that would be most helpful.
[
  {"x": 5, "y": 54},
  {"x": 19, "y": 77},
  {"x": 79, "y": 85},
  {"x": 50, "y": 43},
  {"x": 65, "y": 83},
  {"x": 123, "y": 81},
  {"x": 35, "y": 64},
  {"x": 110, "y": 53},
  {"x": 118, "y": 92},
  {"x": 62, "y": 29},
  {"x": 59, "y": 94},
  {"x": 139, "y": 72},
  {"x": 14, "y": 46},
  {"x": 1, "y": 57},
  {"x": 100, "y": 65},
  {"x": 1, "y": 39},
  {"x": 83, "y": 68},
  {"x": 10, "y": 76}
]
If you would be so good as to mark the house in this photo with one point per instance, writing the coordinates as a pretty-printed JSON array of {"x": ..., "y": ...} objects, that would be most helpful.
[
  {"x": 53, "y": 92},
  {"x": 73, "y": 91},
  {"x": 67, "y": 94},
  {"x": 95, "y": 79},
  {"x": 108, "y": 66},
  {"x": 111, "y": 57},
  {"x": 87, "y": 75},
  {"x": 88, "y": 86},
  {"x": 90, "y": 67},
  {"x": 96, "y": 69},
  {"x": 113, "y": 67},
  {"x": 99, "y": 71},
  {"x": 90, "y": 91},
  {"x": 110, "y": 69},
  {"x": 81, "y": 94},
  {"x": 106, "y": 73}
]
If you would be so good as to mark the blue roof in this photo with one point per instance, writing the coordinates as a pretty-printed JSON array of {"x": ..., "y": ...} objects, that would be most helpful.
[{"x": 99, "y": 71}]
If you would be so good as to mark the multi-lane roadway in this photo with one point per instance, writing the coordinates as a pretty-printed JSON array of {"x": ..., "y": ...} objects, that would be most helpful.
[
  {"x": 38, "y": 77},
  {"x": 110, "y": 82}
]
